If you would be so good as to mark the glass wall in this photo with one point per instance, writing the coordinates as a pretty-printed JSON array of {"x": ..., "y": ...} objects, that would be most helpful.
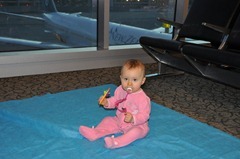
[
  {"x": 131, "y": 19},
  {"x": 51, "y": 24},
  {"x": 46, "y": 24}
]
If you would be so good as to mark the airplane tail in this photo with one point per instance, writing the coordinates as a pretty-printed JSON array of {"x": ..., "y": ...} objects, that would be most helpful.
[{"x": 49, "y": 6}]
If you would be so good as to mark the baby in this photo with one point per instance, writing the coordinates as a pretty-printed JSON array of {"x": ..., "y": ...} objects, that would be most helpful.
[{"x": 133, "y": 110}]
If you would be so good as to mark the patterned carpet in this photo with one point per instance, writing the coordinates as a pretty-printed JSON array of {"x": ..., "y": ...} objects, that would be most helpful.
[{"x": 207, "y": 101}]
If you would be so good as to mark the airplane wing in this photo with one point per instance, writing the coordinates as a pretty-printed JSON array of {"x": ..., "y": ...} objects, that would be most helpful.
[
  {"x": 32, "y": 43},
  {"x": 77, "y": 13},
  {"x": 23, "y": 16}
]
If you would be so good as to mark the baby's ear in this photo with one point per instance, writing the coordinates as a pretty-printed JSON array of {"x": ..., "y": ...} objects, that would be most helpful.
[{"x": 143, "y": 80}]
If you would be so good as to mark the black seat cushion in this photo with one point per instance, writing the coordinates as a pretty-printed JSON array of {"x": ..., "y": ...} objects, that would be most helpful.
[
  {"x": 212, "y": 55},
  {"x": 163, "y": 44}
]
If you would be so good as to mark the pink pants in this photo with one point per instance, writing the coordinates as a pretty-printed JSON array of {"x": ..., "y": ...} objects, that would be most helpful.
[{"x": 111, "y": 125}]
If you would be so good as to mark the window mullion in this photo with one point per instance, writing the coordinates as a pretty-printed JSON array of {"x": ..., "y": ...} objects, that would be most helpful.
[{"x": 103, "y": 25}]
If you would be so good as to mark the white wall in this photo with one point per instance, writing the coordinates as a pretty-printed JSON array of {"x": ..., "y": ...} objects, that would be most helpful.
[{"x": 51, "y": 61}]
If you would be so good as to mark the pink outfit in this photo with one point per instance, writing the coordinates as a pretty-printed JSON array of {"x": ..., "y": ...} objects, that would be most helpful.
[{"x": 138, "y": 104}]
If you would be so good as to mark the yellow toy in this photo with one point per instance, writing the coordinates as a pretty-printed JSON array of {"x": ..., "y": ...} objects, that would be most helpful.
[{"x": 105, "y": 94}]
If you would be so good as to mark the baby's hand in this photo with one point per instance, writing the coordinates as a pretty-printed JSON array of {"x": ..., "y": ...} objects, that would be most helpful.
[
  {"x": 128, "y": 117},
  {"x": 103, "y": 101}
]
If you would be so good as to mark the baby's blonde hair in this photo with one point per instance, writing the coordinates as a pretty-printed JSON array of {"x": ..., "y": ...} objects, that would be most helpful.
[{"x": 133, "y": 63}]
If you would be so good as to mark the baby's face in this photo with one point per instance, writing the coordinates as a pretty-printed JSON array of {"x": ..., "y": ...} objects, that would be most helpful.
[{"x": 132, "y": 79}]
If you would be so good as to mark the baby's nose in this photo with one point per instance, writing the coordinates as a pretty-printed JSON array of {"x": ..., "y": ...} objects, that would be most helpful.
[{"x": 129, "y": 83}]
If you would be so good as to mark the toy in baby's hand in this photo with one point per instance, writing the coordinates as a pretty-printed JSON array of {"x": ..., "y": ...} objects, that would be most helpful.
[{"x": 106, "y": 94}]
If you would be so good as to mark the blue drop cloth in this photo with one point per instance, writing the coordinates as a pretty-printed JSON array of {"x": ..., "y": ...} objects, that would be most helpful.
[{"x": 46, "y": 127}]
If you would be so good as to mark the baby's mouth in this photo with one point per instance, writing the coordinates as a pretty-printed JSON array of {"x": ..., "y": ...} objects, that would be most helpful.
[{"x": 129, "y": 90}]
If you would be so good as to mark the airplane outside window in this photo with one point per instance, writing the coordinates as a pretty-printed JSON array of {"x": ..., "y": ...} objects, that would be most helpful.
[{"x": 47, "y": 24}]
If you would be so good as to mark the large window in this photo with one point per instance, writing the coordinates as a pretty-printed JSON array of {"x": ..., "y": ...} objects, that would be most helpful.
[
  {"x": 131, "y": 19},
  {"x": 38, "y": 36},
  {"x": 47, "y": 24}
]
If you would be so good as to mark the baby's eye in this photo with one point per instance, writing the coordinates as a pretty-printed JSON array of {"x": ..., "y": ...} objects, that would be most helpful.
[
  {"x": 135, "y": 79},
  {"x": 125, "y": 79}
]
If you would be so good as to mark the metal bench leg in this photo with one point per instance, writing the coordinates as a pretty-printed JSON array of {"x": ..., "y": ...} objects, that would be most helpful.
[{"x": 161, "y": 73}]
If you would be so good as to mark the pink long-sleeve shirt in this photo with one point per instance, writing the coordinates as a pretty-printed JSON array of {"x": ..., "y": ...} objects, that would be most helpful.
[{"x": 137, "y": 103}]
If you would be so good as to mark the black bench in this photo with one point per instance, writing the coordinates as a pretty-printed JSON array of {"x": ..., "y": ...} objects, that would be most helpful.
[{"x": 222, "y": 14}]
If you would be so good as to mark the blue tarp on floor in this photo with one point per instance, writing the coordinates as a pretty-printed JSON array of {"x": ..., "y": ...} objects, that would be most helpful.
[{"x": 47, "y": 127}]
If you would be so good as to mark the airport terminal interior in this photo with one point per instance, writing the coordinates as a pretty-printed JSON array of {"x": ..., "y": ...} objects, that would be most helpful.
[{"x": 206, "y": 100}]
